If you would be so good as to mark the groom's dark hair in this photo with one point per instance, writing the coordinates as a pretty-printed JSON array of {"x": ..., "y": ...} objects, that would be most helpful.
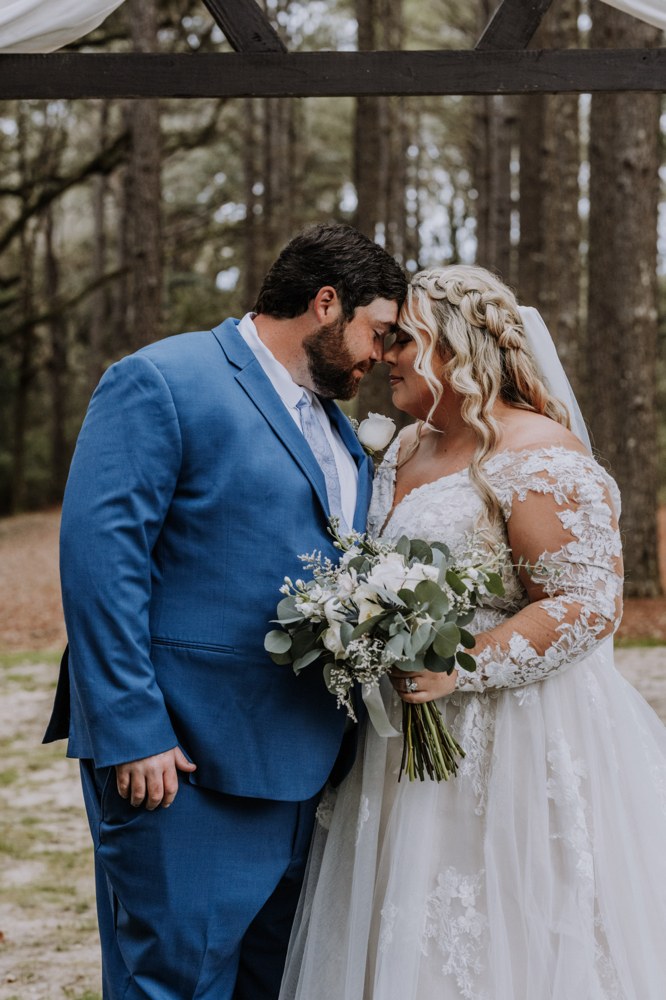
[{"x": 359, "y": 270}]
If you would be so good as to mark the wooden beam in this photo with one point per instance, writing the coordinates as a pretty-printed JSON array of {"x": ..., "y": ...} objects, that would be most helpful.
[
  {"x": 245, "y": 26},
  {"x": 513, "y": 24},
  {"x": 323, "y": 74}
]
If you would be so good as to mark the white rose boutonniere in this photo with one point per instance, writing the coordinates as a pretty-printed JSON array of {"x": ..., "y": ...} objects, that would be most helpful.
[{"x": 375, "y": 432}]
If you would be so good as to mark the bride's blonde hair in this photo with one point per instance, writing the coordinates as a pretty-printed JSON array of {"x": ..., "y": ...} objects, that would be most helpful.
[{"x": 466, "y": 312}]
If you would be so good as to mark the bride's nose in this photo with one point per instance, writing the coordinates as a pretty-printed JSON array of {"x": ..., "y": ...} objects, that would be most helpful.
[{"x": 391, "y": 355}]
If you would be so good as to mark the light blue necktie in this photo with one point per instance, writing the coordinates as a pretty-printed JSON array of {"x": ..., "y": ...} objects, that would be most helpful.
[{"x": 316, "y": 437}]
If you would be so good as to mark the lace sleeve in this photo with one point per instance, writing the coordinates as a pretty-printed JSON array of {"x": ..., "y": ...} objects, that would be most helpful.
[{"x": 558, "y": 509}]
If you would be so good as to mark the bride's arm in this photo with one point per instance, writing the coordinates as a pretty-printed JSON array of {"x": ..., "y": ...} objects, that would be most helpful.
[{"x": 559, "y": 513}]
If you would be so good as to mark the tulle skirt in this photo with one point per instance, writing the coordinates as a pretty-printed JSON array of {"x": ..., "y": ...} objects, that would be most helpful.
[{"x": 539, "y": 873}]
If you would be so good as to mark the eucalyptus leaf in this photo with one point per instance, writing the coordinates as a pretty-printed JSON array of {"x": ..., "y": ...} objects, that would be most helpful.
[
  {"x": 346, "y": 632},
  {"x": 287, "y": 609},
  {"x": 467, "y": 639},
  {"x": 446, "y": 640},
  {"x": 408, "y": 597},
  {"x": 466, "y": 661},
  {"x": 441, "y": 547},
  {"x": 277, "y": 642},
  {"x": 420, "y": 637},
  {"x": 430, "y": 594},
  {"x": 421, "y": 551},
  {"x": 282, "y": 659},
  {"x": 402, "y": 546},
  {"x": 356, "y": 563},
  {"x": 327, "y": 676},
  {"x": 426, "y": 591},
  {"x": 438, "y": 664},
  {"x": 408, "y": 666},
  {"x": 307, "y": 659},
  {"x": 366, "y": 626},
  {"x": 393, "y": 649},
  {"x": 465, "y": 619},
  {"x": 455, "y": 583},
  {"x": 494, "y": 584},
  {"x": 302, "y": 643}
]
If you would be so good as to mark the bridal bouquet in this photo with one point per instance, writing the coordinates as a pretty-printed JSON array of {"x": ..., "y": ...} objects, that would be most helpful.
[{"x": 383, "y": 606}]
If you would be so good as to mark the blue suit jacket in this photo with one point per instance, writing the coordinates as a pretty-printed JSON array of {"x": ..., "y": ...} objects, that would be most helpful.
[{"x": 191, "y": 495}]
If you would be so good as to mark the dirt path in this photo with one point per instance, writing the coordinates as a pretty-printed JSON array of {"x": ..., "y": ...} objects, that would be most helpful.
[
  {"x": 30, "y": 607},
  {"x": 47, "y": 900},
  {"x": 47, "y": 895},
  {"x": 49, "y": 948},
  {"x": 31, "y": 611}
]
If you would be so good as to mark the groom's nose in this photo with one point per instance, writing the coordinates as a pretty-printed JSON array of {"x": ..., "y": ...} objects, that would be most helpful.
[{"x": 377, "y": 349}]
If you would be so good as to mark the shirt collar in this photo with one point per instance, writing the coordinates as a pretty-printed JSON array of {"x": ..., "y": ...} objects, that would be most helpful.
[{"x": 288, "y": 391}]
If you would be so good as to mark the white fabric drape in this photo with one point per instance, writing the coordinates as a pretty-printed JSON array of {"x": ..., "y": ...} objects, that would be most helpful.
[
  {"x": 652, "y": 11},
  {"x": 45, "y": 25}
]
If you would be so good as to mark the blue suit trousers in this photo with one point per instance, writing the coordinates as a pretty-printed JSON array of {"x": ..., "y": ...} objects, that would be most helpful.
[{"x": 196, "y": 901}]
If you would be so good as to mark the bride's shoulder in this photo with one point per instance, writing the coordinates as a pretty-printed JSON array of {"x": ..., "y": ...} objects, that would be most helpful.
[{"x": 525, "y": 431}]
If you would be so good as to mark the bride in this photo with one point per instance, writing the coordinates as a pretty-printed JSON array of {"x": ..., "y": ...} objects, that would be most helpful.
[{"x": 539, "y": 873}]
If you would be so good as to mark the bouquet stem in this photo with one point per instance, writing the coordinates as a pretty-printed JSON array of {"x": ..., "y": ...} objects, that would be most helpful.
[{"x": 428, "y": 746}]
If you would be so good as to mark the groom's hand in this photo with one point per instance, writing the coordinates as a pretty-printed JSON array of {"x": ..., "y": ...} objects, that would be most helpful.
[{"x": 154, "y": 779}]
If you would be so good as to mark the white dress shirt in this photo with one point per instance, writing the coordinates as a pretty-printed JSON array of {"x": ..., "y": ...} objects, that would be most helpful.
[{"x": 290, "y": 393}]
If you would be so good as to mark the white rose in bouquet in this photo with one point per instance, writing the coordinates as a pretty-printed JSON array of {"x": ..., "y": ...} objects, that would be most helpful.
[
  {"x": 332, "y": 639},
  {"x": 375, "y": 432},
  {"x": 333, "y": 611},
  {"x": 419, "y": 572},
  {"x": 389, "y": 573}
]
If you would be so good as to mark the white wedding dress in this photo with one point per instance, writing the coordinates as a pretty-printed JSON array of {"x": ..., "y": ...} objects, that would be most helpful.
[{"x": 539, "y": 872}]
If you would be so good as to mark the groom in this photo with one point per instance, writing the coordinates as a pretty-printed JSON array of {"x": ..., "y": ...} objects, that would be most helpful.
[{"x": 206, "y": 464}]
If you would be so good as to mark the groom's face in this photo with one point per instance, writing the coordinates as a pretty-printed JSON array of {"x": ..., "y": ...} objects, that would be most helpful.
[{"x": 340, "y": 352}]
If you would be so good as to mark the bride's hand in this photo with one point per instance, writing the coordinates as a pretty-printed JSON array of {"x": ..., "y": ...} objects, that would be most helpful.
[{"x": 430, "y": 685}]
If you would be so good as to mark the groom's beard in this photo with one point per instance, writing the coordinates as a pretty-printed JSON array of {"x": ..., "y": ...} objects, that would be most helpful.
[{"x": 333, "y": 370}]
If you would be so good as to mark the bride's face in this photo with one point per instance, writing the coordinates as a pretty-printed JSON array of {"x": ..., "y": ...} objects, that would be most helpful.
[{"x": 411, "y": 392}]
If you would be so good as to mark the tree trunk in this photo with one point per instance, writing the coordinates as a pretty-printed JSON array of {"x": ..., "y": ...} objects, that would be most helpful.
[
  {"x": 491, "y": 157},
  {"x": 550, "y": 232},
  {"x": 367, "y": 143},
  {"x": 26, "y": 340},
  {"x": 98, "y": 315},
  {"x": 121, "y": 297},
  {"x": 495, "y": 117},
  {"x": 252, "y": 275},
  {"x": 622, "y": 301},
  {"x": 380, "y": 175},
  {"x": 25, "y": 374},
  {"x": 145, "y": 170},
  {"x": 531, "y": 252},
  {"x": 57, "y": 366}
]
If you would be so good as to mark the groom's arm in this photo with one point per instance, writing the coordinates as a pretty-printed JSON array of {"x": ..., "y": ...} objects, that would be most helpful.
[{"x": 121, "y": 483}]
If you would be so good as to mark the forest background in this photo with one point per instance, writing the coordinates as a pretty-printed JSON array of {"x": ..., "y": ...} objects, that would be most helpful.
[{"x": 125, "y": 221}]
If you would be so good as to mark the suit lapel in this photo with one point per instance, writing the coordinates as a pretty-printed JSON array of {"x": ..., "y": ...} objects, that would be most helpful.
[
  {"x": 258, "y": 387},
  {"x": 363, "y": 462}
]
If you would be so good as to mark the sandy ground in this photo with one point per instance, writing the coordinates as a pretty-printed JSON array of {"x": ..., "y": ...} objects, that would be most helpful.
[
  {"x": 31, "y": 611},
  {"x": 49, "y": 948},
  {"x": 30, "y": 607}
]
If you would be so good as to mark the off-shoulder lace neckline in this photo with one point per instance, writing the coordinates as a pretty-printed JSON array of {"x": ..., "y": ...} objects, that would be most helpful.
[{"x": 519, "y": 453}]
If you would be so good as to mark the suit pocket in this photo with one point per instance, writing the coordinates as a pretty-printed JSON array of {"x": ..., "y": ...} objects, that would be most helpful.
[{"x": 185, "y": 644}]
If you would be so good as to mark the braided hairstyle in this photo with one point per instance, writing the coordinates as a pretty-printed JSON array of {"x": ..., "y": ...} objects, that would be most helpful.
[{"x": 466, "y": 312}]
